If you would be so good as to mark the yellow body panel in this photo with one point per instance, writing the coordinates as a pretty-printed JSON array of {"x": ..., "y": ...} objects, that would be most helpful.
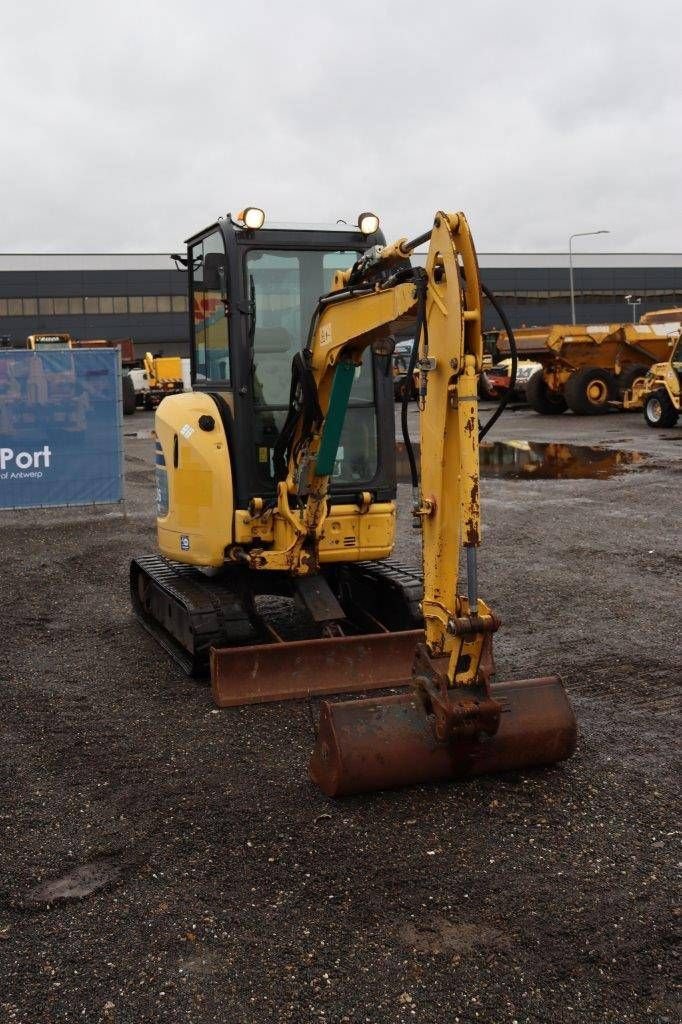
[
  {"x": 194, "y": 525},
  {"x": 200, "y": 524},
  {"x": 349, "y": 535}
]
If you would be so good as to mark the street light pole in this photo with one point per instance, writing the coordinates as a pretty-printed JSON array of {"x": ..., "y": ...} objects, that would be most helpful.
[
  {"x": 634, "y": 302},
  {"x": 578, "y": 234}
]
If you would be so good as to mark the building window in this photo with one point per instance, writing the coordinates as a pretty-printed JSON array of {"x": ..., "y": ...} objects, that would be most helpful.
[{"x": 92, "y": 305}]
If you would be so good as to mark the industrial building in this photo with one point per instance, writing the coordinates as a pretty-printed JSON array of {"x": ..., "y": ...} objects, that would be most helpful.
[
  {"x": 96, "y": 295},
  {"x": 534, "y": 288},
  {"x": 143, "y": 296}
]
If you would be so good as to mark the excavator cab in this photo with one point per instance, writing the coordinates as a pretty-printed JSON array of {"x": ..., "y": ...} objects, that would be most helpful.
[{"x": 252, "y": 295}]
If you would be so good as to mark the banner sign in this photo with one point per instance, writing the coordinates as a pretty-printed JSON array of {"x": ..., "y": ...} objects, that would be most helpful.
[{"x": 61, "y": 427}]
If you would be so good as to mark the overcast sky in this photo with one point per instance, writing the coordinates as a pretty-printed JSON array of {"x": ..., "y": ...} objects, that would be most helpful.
[{"x": 126, "y": 127}]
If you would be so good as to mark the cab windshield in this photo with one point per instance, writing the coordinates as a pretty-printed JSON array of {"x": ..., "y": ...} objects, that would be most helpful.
[{"x": 284, "y": 287}]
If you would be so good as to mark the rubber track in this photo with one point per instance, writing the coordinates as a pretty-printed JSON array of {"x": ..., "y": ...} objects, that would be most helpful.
[
  {"x": 392, "y": 581},
  {"x": 214, "y": 615}
]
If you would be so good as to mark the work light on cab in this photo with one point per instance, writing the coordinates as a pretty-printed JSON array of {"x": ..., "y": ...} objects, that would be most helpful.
[
  {"x": 252, "y": 217},
  {"x": 368, "y": 223}
]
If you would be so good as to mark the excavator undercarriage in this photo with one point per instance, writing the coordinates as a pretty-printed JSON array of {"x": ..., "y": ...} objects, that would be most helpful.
[{"x": 355, "y": 629}]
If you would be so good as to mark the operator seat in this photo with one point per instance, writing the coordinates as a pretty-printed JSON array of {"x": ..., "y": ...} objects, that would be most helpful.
[{"x": 274, "y": 349}]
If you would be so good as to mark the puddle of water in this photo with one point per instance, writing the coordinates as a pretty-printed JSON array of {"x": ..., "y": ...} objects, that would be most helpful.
[{"x": 525, "y": 460}]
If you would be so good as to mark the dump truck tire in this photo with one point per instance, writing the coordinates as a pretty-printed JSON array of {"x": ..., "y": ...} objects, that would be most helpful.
[
  {"x": 543, "y": 399},
  {"x": 128, "y": 394},
  {"x": 589, "y": 391},
  {"x": 659, "y": 411},
  {"x": 629, "y": 374}
]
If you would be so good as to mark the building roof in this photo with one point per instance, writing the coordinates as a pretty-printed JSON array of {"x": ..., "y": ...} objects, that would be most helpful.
[
  {"x": 35, "y": 261},
  {"x": 559, "y": 260},
  {"x": 162, "y": 261}
]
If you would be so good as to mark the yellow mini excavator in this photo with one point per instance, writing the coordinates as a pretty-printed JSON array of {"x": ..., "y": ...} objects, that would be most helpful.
[{"x": 276, "y": 487}]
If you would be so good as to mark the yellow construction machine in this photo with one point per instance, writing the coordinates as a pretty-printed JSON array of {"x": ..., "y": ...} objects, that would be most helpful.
[
  {"x": 160, "y": 376},
  {"x": 588, "y": 369},
  {"x": 49, "y": 342},
  {"x": 659, "y": 393},
  {"x": 276, "y": 480}
]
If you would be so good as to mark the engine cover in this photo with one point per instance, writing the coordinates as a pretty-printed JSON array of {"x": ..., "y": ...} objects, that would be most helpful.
[{"x": 194, "y": 490}]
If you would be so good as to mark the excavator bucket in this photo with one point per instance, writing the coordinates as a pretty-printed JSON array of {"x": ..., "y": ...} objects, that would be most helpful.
[
  {"x": 307, "y": 668},
  {"x": 387, "y": 742}
]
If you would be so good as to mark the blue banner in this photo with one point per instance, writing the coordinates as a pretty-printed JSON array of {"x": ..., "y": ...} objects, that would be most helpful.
[{"x": 61, "y": 427}]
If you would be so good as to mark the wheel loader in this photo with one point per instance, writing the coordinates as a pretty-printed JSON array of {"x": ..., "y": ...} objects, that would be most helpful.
[
  {"x": 659, "y": 394},
  {"x": 276, "y": 486}
]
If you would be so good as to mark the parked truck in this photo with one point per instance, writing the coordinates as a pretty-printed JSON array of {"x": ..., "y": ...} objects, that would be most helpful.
[{"x": 589, "y": 368}]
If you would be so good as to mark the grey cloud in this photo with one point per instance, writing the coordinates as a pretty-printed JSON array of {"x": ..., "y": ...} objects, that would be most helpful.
[{"x": 127, "y": 129}]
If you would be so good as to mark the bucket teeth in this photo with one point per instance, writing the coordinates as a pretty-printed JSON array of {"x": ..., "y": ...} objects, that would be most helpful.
[{"x": 388, "y": 742}]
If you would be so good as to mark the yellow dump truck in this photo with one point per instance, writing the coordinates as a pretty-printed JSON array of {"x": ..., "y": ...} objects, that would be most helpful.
[
  {"x": 589, "y": 368},
  {"x": 666, "y": 319}
]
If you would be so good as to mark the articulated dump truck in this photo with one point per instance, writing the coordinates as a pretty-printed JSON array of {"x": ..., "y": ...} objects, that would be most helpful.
[{"x": 589, "y": 369}]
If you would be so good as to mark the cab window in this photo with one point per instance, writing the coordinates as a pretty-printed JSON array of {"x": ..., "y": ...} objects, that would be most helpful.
[
  {"x": 208, "y": 267},
  {"x": 284, "y": 287}
]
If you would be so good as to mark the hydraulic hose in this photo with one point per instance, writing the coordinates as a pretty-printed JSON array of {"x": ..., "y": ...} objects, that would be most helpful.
[
  {"x": 421, "y": 325},
  {"x": 514, "y": 362}
]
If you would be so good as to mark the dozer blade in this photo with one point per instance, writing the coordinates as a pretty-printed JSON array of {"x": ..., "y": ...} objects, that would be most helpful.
[
  {"x": 303, "y": 668},
  {"x": 387, "y": 742}
]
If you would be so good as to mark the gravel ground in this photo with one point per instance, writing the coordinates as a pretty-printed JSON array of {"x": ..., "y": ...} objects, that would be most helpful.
[{"x": 224, "y": 887}]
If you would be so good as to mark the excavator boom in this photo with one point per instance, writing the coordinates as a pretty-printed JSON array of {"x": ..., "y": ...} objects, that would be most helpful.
[{"x": 454, "y": 722}]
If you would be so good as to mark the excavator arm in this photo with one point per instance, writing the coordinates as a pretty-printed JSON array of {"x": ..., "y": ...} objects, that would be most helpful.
[
  {"x": 453, "y": 723},
  {"x": 356, "y": 314},
  {"x": 454, "y": 667}
]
